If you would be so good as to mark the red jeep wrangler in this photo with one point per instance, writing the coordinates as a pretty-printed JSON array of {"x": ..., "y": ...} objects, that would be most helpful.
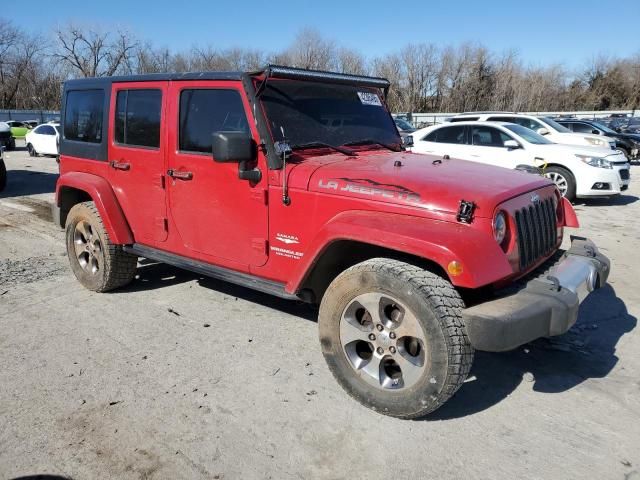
[{"x": 295, "y": 183}]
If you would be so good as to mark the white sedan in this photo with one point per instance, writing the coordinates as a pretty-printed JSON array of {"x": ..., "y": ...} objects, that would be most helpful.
[
  {"x": 577, "y": 171},
  {"x": 43, "y": 140}
]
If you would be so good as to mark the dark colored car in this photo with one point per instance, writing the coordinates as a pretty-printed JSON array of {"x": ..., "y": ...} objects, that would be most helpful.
[
  {"x": 3, "y": 171},
  {"x": 627, "y": 143},
  {"x": 404, "y": 127},
  {"x": 6, "y": 138}
]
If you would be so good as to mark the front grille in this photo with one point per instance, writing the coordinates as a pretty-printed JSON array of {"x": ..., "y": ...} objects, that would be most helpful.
[
  {"x": 624, "y": 174},
  {"x": 537, "y": 234}
]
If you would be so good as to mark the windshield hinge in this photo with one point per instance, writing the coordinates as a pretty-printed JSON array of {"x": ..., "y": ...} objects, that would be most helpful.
[{"x": 465, "y": 211}]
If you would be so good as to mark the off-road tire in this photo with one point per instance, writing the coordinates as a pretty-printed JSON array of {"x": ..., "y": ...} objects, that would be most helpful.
[
  {"x": 117, "y": 268},
  {"x": 3, "y": 175},
  {"x": 570, "y": 193},
  {"x": 436, "y": 305}
]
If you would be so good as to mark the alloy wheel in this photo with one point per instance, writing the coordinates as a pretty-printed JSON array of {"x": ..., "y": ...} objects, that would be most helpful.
[
  {"x": 88, "y": 248},
  {"x": 559, "y": 180},
  {"x": 383, "y": 341}
]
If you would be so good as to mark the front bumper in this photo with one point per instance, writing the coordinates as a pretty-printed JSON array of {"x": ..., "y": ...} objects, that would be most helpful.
[{"x": 544, "y": 306}]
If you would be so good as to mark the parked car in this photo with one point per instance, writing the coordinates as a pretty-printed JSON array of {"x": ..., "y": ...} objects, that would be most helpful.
[
  {"x": 541, "y": 125},
  {"x": 577, "y": 171},
  {"x": 3, "y": 170},
  {"x": 43, "y": 140},
  {"x": 6, "y": 139},
  {"x": 404, "y": 127},
  {"x": 18, "y": 129},
  {"x": 32, "y": 123},
  {"x": 330, "y": 210},
  {"x": 627, "y": 143}
]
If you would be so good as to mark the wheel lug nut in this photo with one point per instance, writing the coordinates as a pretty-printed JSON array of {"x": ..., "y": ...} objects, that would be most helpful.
[
  {"x": 372, "y": 336},
  {"x": 380, "y": 351},
  {"x": 392, "y": 335},
  {"x": 380, "y": 327},
  {"x": 392, "y": 349}
]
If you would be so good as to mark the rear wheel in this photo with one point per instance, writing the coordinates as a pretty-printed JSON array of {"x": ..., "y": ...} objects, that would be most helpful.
[
  {"x": 393, "y": 337},
  {"x": 31, "y": 150},
  {"x": 97, "y": 263},
  {"x": 563, "y": 179}
]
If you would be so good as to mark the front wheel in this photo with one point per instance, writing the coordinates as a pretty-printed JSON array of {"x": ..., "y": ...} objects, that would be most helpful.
[
  {"x": 623, "y": 151},
  {"x": 97, "y": 263},
  {"x": 564, "y": 180},
  {"x": 3, "y": 175},
  {"x": 393, "y": 337}
]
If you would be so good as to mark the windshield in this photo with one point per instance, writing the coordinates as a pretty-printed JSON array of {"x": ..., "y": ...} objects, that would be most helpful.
[
  {"x": 313, "y": 112},
  {"x": 528, "y": 135},
  {"x": 404, "y": 125},
  {"x": 555, "y": 125}
]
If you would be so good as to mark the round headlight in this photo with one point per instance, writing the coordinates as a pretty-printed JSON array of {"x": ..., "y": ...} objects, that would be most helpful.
[{"x": 499, "y": 227}]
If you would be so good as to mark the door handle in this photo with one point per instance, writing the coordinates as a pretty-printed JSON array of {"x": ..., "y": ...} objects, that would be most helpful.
[
  {"x": 120, "y": 165},
  {"x": 180, "y": 175}
]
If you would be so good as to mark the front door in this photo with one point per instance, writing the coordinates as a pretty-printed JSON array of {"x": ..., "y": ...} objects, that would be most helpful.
[
  {"x": 487, "y": 146},
  {"x": 137, "y": 157},
  {"x": 217, "y": 215}
]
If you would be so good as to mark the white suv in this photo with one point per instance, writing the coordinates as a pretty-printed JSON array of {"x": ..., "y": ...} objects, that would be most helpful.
[
  {"x": 543, "y": 125},
  {"x": 577, "y": 171}
]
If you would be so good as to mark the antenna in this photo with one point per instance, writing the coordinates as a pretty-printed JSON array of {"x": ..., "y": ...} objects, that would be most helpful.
[{"x": 285, "y": 188}]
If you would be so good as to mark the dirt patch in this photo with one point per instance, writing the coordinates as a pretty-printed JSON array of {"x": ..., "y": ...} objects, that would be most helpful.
[
  {"x": 41, "y": 208},
  {"x": 28, "y": 270}
]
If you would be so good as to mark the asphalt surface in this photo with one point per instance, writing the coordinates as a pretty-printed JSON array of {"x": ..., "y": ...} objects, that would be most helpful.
[{"x": 179, "y": 376}]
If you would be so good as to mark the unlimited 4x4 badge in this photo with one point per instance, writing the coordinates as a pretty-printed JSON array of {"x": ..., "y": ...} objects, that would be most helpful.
[{"x": 287, "y": 252}]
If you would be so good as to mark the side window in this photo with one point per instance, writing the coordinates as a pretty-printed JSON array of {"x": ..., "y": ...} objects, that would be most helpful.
[
  {"x": 205, "y": 111},
  {"x": 83, "y": 116},
  {"x": 463, "y": 119},
  {"x": 488, "y": 137},
  {"x": 447, "y": 135},
  {"x": 582, "y": 128},
  {"x": 46, "y": 130},
  {"x": 137, "y": 121}
]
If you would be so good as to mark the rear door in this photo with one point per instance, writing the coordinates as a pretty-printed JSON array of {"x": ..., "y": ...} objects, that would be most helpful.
[
  {"x": 449, "y": 140},
  {"x": 218, "y": 216},
  {"x": 137, "y": 147}
]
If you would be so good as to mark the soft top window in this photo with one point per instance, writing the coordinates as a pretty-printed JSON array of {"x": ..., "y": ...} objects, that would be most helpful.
[{"x": 83, "y": 116}]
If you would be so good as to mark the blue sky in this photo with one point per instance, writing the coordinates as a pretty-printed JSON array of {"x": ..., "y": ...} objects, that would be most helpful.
[{"x": 568, "y": 32}]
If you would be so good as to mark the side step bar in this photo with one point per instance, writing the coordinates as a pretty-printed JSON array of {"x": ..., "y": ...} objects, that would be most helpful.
[{"x": 225, "y": 274}]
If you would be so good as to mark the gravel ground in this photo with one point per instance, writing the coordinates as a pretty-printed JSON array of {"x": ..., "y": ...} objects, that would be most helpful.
[{"x": 179, "y": 376}]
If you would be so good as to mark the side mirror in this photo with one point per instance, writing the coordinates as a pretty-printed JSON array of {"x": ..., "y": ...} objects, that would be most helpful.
[
  {"x": 232, "y": 147},
  {"x": 511, "y": 144},
  {"x": 542, "y": 131},
  {"x": 407, "y": 141},
  {"x": 596, "y": 132},
  {"x": 236, "y": 147}
]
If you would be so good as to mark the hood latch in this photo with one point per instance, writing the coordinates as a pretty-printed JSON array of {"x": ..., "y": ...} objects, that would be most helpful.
[{"x": 465, "y": 211}]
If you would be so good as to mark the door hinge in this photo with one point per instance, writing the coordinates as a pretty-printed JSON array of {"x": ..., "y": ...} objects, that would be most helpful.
[
  {"x": 261, "y": 245},
  {"x": 159, "y": 181},
  {"x": 261, "y": 195},
  {"x": 162, "y": 223}
]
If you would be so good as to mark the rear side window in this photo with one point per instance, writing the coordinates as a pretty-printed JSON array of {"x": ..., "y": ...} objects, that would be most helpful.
[
  {"x": 581, "y": 127},
  {"x": 137, "y": 121},
  {"x": 45, "y": 130},
  {"x": 203, "y": 112},
  {"x": 83, "y": 116},
  {"x": 447, "y": 135}
]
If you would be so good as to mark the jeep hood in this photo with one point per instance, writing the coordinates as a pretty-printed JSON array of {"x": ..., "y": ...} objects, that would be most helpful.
[{"x": 422, "y": 181}]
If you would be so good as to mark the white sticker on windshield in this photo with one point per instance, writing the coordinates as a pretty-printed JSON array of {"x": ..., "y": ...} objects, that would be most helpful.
[{"x": 368, "y": 98}]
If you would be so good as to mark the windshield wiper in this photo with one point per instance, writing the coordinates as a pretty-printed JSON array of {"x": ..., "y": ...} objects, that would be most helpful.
[
  {"x": 369, "y": 141},
  {"x": 342, "y": 150}
]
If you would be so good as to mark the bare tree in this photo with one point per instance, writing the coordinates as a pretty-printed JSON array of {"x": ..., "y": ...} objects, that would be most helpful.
[{"x": 91, "y": 53}]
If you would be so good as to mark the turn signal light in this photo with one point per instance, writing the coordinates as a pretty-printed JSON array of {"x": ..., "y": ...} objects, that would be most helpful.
[{"x": 454, "y": 268}]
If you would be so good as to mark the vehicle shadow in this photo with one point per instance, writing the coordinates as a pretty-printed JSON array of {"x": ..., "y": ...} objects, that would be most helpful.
[
  {"x": 152, "y": 275},
  {"x": 607, "y": 202},
  {"x": 554, "y": 365},
  {"x": 42, "y": 476},
  {"x": 22, "y": 183}
]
